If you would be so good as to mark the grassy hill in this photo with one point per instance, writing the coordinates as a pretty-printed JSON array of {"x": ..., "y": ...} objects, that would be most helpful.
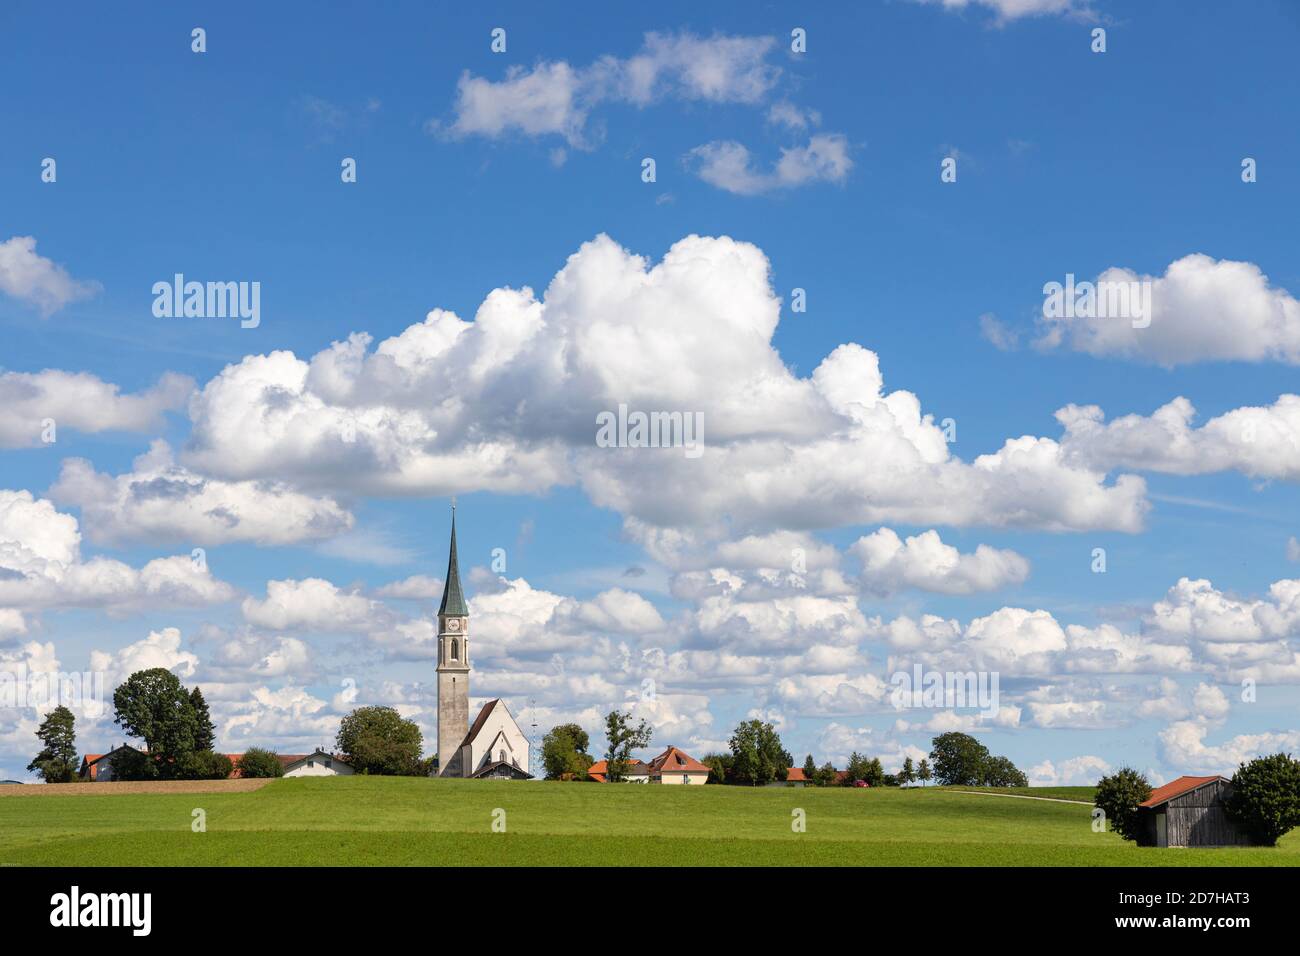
[{"x": 405, "y": 821}]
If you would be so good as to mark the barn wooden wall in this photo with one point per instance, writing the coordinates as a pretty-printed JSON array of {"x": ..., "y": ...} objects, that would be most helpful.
[{"x": 1198, "y": 819}]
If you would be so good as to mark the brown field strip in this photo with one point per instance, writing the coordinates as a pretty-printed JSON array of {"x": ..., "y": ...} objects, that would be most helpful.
[{"x": 119, "y": 788}]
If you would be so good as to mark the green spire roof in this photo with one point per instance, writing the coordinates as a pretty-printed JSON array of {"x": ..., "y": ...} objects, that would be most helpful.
[{"x": 453, "y": 599}]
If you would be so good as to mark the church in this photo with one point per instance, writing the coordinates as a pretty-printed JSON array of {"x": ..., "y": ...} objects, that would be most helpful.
[{"x": 494, "y": 746}]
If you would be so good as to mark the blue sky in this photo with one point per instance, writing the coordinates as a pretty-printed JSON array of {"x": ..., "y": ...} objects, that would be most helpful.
[{"x": 225, "y": 166}]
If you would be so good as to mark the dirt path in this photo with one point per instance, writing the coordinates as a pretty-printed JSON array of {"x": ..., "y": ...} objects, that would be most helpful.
[
  {"x": 1021, "y": 796},
  {"x": 119, "y": 788}
]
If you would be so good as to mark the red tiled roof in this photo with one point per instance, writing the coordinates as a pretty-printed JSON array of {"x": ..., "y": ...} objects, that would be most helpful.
[
  {"x": 598, "y": 770},
  {"x": 796, "y": 775},
  {"x": 673, "y": 760},
  {"x": 1176, "y": 788}
]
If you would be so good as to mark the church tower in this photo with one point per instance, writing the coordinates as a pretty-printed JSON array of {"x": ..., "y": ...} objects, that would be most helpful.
[{"x": 453, "y": 667}]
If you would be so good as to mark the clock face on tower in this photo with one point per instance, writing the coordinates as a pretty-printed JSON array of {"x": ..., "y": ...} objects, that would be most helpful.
[{"x": 453, "y": 624}]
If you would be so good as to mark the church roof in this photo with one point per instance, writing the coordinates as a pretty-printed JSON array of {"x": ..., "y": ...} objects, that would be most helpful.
[
  {"x": 453, "y": 600},
  {"x": 480, "y": 720}
]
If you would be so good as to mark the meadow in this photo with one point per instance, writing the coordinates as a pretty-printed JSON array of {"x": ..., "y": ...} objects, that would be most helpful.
[{"x": 414, "y": 821}]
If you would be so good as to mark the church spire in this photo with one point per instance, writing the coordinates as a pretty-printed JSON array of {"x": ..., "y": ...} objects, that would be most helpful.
[{"x": 453, "y": 600}]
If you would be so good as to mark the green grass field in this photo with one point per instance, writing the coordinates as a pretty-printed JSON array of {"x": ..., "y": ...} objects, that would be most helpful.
[{"x": 411, "y": 821}]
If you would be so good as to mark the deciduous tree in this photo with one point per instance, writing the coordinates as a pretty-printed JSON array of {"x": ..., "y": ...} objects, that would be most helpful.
[
  {"x": 378, "y": 740},
  {"x": 1265, "y": 797},
  {"x": 1118, "y": 796},
  {"x": 564, "y": 753},
  {"x": 621, "y": 739},
  {"x": 757, "y": 754}
]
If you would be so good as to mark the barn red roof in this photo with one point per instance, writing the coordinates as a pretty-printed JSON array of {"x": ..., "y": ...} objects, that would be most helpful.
[{"x": 1176, "y": 788}]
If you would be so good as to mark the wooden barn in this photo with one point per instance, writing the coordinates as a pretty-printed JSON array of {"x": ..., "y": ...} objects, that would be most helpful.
[{"x": 1190, "y": 812}]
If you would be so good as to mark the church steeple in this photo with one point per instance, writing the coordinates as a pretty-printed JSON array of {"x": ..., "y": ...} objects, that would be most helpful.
[
  {"x": 453, "y": 667},
  {"x": 453, "y": 599}
]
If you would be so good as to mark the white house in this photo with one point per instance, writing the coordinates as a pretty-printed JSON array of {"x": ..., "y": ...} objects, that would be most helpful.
[
  {"x": 315, "y": 764},
  {"x": 98, "y": 768},
  {"x": 673, "y": 766}
]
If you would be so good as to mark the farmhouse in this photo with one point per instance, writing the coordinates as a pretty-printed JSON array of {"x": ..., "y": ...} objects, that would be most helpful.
[
  {"x": 672, "y": 767},
  {"x": 1190, "y": 811},
  {"x": 98, "y": 768},
  {"x": 318, "y": 763}
]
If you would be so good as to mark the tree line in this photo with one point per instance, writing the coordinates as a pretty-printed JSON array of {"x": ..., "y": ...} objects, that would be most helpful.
[
  {"x": 175, "y": 724},
  {"x": 757, "y": 757}
]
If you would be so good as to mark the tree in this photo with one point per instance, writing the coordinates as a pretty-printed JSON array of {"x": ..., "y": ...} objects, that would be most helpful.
[
  {"x": 809, "y": 768},
  {"x": 719, "y": 767},
  {"x": 204, "y": 765},
  {"x": 824, "y": 776},
  {"x": 564, "y": 753},
  {"x": 257, "y": 763},
  {"x": 57, "y": 761},
  {"x": 1265, "y": 797},
  {"x": 959, "y": 759},
  {"x": 132, "y": 764},
  {"x": 908, "y": 773},
  {"x": 923, "y": 772},
  {"x": 153, "y": 705},
  {"x": 1118, "y": 797},
  {"x": 622, "y": 738},
  {"x": 1001, "y": 772},
  {"x": 205, "y": 734},
  {"x": 757, "y": 754},
  {"x": 874, "y": 772},
  {"x": 859, "y": 767},
  {"x": 378, "y": 740}
]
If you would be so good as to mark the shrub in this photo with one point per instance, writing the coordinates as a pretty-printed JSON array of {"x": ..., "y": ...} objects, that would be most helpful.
[
  {"x": 257, "y": 763},
  {"x": 204, "y": 765},
  {"x": 1265, "y": 797},
  {"x": 1118, "y": 797}
]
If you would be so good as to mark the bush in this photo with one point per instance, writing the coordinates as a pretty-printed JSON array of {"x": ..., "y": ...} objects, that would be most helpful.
[
  {"x": 132, "y": 764},
  {"x": 204, "y": 765},
  {"x": 1118, "y": 797},
  {"x": 1265, "y": 797},
  {"x": 256, "y": 763}
]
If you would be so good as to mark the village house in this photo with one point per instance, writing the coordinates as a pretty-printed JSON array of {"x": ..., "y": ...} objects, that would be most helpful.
[
  {"x": 673, "y": 766},
  {"x": 98, "y": 768}
]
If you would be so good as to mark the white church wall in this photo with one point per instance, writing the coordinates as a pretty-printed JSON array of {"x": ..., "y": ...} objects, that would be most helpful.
[{"x": 498, "y": 733}]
